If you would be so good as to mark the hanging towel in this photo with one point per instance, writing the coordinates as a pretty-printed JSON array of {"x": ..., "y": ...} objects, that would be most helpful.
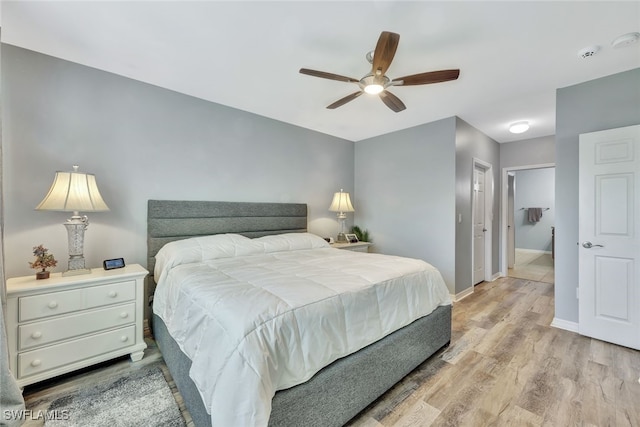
[{"x": 535, "y": 214}]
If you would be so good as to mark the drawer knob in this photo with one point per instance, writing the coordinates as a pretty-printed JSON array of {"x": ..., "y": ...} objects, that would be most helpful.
[
  {"x": 124, "y": 314},
  {"x": 36, "y": 362},
  {"x": 124, "y": 338},
  {"x": 36, "y": 335},
  {"x": 113, "y": 294},
  {"x": 53, "y": 304}
]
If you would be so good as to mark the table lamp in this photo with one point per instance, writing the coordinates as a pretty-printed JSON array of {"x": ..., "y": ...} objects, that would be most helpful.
[
  {"x": 342, "y": 204},
  {"x": 74, "y": 192}
]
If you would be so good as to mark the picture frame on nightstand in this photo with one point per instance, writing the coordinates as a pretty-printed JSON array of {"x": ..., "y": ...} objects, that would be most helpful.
[{"x": 351, "y": 238}]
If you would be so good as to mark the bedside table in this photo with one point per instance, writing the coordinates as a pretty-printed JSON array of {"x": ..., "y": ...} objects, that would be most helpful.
[
  {"x": 356, "y": 247},
  {"x": 61, "y": 324}
]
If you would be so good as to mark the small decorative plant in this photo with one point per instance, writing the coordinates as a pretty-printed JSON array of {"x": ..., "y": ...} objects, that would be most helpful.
[
  {"x": 43, "y": 261},
  {"x": 362, "y": 235}
]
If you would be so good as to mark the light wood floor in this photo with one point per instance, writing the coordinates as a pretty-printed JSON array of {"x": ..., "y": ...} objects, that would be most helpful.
[
  {"x": 505, "y": 367},
  {"x": 533, "y": 266}
]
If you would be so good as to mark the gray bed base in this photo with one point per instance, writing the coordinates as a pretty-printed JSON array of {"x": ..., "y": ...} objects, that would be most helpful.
[{"x": 339, "y": 391}]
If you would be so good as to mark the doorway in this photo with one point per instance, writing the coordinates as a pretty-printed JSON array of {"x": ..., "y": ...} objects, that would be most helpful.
[
  {"x": 481, "y": 219},
  {"x": 528, "y": 215}
]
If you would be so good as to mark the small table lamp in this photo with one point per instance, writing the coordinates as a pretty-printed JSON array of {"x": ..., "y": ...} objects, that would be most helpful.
[
  {"x": 342, "y": 204},
  {"x": 74, "y": 192}
]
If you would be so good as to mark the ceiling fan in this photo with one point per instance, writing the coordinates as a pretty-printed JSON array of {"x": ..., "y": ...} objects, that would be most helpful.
[{"x": 376, "y": 82}]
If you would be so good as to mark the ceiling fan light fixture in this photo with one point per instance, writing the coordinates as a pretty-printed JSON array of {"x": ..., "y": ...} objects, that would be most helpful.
[
  {"x": 373, "y": 85},
  {"x": 519, "y": 127},
  {"x": 373, "y": 89}
]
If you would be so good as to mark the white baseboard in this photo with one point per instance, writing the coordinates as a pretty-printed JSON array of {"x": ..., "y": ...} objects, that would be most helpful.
[
  {"x": 533, "y": 251},
  {"x": 565, "y": 324},
  {"x": 460, "y": 295}
]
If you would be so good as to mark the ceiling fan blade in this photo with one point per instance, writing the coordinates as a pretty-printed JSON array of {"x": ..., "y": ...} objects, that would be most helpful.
[
  {"x": 427, "y": 78},
  {"x": 384, "y": 53},
  {"x": 344, "y": 100},
  {"x": 329, "y": 76},
  {"x": 392, "y": 101}
]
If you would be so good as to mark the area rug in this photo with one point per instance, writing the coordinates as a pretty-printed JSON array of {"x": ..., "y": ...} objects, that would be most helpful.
[{"x": 139, "y": 398}]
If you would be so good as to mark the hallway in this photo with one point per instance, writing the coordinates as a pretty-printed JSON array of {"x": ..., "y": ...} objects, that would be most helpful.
[{"x": 530, "y": 265}]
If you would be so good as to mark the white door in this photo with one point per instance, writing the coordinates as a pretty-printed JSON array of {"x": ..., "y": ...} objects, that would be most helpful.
[
  {"x": 511, "y": 226},
  {"x": 478, "y": 224},
  {"x": 609, "y": 247}
]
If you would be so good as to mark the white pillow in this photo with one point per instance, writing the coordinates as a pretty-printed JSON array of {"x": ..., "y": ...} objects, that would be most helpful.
[
  {"x": 202, "y": 248},
  {"x": 291, "y": 242},
  {"x": 227, "y": 246}
]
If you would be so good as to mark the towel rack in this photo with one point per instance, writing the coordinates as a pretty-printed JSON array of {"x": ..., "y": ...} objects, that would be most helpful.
[{"x": 544, "y": 209}]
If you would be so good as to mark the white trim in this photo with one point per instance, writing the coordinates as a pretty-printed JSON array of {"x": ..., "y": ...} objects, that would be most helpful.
[
  {"x": 504, "y": 207},
  {"x": 488, "y": 205},
  {"x": 565, "y": 324},
  {"x": 533, "y": 251},
  {"x": 497, "y": 275},
  {"x": 461, "y": 295}
]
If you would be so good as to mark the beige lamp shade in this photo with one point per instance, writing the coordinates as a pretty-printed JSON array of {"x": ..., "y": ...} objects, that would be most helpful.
[
  {"x": 341, "y": 203},
  {"x": 73, "y": 192}
]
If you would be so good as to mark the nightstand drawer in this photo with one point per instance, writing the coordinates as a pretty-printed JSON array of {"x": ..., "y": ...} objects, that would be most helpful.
[
  {"x": 35, "y": 361},
  {"x": 49, "y": 331},
  {"x": 51, "y": 304},
  {"x": 55, "y": 303},
  {"x": 110, "y": 294}
]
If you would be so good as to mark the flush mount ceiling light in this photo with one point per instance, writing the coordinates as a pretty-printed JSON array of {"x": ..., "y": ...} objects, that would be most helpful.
[
  {"x": 625, "y": 40},
  {"x": 519, "y": 127}
]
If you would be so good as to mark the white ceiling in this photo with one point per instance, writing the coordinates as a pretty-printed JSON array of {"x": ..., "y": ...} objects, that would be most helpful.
[{"x": 512, "y": 55}]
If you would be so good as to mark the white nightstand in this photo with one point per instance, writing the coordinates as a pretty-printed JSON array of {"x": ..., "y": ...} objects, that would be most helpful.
[
  {"x": 356, "y": 247},
  {"x": 61, "y": 324}
]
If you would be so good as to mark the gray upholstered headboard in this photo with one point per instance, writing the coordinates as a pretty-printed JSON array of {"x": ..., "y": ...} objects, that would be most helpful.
[{"x": 169, "y": 220}]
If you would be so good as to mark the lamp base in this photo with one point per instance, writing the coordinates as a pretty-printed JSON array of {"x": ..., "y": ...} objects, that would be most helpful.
[
  {"x": 341, "y": 238},
  {"x": 76, "y": 225}
]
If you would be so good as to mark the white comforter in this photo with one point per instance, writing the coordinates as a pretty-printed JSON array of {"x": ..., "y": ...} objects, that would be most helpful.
[{"x": 260, "y": 315}]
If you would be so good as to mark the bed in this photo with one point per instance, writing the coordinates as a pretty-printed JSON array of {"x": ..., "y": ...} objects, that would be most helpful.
[{"x": 336, "y": 392}]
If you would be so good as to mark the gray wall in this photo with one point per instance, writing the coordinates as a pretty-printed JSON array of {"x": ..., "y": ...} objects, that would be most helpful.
[
  {"x": 534, "y": 188},
  {"x": 470, "y": 144},
  {"x": 605, "y": 103},
  {"x": 412, "y": 184},
  {"x": 144, "y": 142},
  {"x": 405, "y": 193},
  {"x": 534, "y": 151}
]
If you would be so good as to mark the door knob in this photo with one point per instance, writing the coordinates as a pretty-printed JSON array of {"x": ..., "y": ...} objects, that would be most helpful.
[{"x": 589, "y": 245}]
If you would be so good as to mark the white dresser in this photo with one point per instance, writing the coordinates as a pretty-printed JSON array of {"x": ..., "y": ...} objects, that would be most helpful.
[{"x": 61, "y": 324}]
